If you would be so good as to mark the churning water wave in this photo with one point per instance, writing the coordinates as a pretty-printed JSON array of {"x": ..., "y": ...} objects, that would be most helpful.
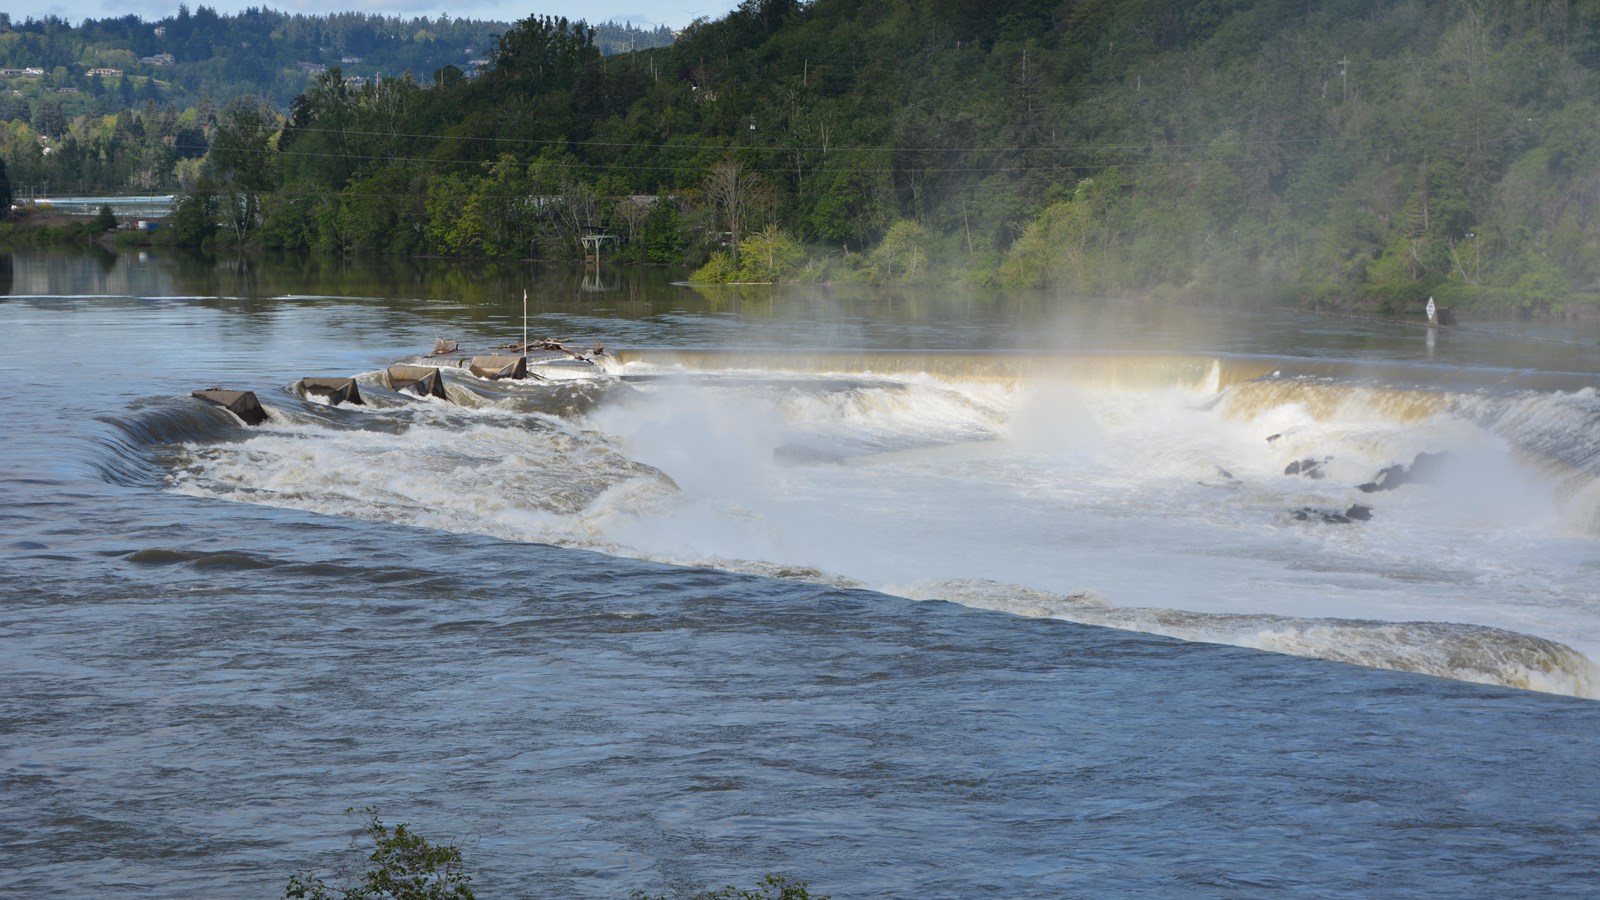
[{"x": 1236, "y": 500}]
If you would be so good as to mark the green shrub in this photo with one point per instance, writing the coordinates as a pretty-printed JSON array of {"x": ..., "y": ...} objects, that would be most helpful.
[
  {"x": 769, "y": 255},
  {"x": 719, "y": 269},
  {"x": 404, "y": 866},
  {"x": 902, "y": 257}
]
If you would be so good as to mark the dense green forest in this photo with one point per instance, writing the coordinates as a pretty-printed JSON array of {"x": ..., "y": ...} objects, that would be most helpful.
[
  {"x": 128, "y": 105},
  {"x": 1344, "y": 150},
  {"x": 182, "y": 58}
]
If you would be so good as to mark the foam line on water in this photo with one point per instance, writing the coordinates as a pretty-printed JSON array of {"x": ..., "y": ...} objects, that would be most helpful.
[{"x": 1463, "y": 652}]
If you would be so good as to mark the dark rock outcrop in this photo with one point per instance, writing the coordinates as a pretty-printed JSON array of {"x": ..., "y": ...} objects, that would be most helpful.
[
  {"x": 1423, "y": 470},
  {"x": 1310, "y": 468},
  {"x": 1355, "y": 513}
]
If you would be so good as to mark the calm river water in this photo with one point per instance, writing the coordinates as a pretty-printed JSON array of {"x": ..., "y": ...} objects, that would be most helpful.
[{"x": 903, "y": 594}]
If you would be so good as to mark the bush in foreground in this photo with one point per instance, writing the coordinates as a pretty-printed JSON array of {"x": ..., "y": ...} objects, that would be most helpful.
[{"x": 404, "y": 866}]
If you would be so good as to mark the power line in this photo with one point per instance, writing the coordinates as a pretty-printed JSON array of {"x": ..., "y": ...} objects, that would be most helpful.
[
  {"x": 1136, "y": 155},
  {"x": 778, "y": 148}
]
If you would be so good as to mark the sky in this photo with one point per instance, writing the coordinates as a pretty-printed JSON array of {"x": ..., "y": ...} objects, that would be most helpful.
[{"x": 673, "y": 13}]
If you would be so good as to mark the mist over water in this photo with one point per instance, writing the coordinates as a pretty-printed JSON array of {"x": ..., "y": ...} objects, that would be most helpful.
[
  {"x": 643, "y": 621},
  {"x": 1154, "y": 484}
]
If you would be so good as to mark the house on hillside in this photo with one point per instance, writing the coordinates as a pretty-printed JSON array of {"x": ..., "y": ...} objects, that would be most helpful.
[
  {"x": 112, "y": 73},
  {"x": 160, "y": 59}
]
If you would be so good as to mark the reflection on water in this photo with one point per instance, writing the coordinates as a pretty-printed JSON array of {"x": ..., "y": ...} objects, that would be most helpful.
[{"x": 487, "y": 293}]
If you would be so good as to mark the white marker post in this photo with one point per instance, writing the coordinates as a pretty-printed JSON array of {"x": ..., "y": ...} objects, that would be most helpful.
[{"x": 525, "y": 322}]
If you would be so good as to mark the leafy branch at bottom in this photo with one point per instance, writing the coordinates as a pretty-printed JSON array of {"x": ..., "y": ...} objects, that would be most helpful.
[{"x": 404, "y": 866}]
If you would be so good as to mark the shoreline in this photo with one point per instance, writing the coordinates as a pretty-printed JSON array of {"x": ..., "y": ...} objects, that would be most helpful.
[{"x": 1388, "y": 302}]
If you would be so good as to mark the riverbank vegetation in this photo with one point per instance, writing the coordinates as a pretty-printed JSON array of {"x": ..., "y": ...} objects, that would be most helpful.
[
  {"x": 1358, "y": 154},
  {"x": 36, "y": 229},
  {"x": 404, "y": 865}
]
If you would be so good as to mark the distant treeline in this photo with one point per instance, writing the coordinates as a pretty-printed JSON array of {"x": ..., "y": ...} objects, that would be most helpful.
[
  {"x": 1373, "y": 149},
  {"x": 127, "y": 105},
  {"x": 258, "y": 51}
]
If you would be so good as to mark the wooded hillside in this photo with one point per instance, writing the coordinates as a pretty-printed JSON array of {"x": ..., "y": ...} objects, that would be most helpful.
[
  {"x": 1381, "y": 150},
  {"x": 122, "y": 105}
]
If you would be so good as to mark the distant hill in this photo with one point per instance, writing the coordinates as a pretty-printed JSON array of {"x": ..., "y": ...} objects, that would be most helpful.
[
  {"x": 1364, "y": 152},
  {"x": 104, "y": 65}
]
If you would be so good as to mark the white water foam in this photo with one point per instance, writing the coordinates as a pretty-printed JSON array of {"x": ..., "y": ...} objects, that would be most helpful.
[{"x": 1171, "y": 501}]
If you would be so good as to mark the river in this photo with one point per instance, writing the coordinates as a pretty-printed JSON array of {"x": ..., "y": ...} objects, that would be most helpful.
[{"x": 917, "y": 593}]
